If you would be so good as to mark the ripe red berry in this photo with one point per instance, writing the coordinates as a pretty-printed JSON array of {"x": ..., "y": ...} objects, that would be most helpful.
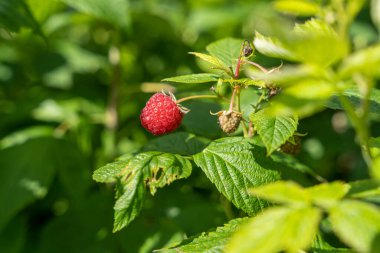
[{"x": 161, "y": 114}]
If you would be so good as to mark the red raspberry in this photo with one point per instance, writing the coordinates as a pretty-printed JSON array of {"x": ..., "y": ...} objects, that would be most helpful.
[{"x": 161, "y": 114}]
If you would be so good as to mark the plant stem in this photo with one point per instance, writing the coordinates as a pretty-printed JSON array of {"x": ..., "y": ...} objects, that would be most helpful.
[
  {"x": 195, "y": 97},
  {"x": 237, "y": 89}
]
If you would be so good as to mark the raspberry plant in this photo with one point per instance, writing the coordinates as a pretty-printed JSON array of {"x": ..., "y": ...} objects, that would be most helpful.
[{"x": 318, "y": 70}]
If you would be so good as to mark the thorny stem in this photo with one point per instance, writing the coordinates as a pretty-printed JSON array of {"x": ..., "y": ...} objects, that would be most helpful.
[{"x": 195, "y": 97}]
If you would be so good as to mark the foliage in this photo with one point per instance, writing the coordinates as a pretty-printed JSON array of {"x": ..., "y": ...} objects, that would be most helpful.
[{"x": 300, "y": 174}]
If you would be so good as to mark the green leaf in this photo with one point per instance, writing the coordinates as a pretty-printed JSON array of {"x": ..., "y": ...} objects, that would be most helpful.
[
  {"x": 13, "y": 236},
  {"x": 328, "y": 194},
  {"x": 312, "y": 42},
  {"x": 297, "y": 7},
  {"x": 365, "y": 61},
  {"x": 272, "y": 47},
  {"x": 16, "y": 14},
  {"x": 181, "y": 143},
  {"x": 109, "y": 172},
  {"x": 193, "y": 78},
  {"x": 150, "y": 170},
  {"x": 304, "y": 98},
  {"x": 285, "y": 192},
  {"x": 209, "y": 242},
  {"x": 234, "y": 165},
  {"x": 117, "y": 12},
  {"x": 28, "y": 179},
  {"x": 214, "y": 61},
  {"x": 273, "y": 130},
  {"x": 356, "y": 223},
  {"x": 375, "y": 10},
  {"x": 365, "y": 189},
  {"x": 354, "y": 96},
  {"x": 277, "y": 229},
  {"x": 319, "y": 245},
  {"x": 227, "y": 51}
]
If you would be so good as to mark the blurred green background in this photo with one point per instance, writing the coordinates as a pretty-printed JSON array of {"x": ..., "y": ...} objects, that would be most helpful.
[{"x": 74, "y": 76}]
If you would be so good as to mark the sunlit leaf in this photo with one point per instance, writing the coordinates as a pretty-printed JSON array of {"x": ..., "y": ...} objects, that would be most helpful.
[
  {"x": 365, "y": 61},
  {"x": 277, "y": 229},
  {"x": 297, "y": 7},
  {"x": 356, "y": 223},
  {"x": 227, "y": 51},
  {"x": 285, "y": 192},
  {"x": 328, "y": 194}
]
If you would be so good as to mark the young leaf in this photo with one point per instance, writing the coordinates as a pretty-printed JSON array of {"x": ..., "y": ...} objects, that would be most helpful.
[
  {"x": 375, "y": 10},
  {"x": 215, "y": 62},
  {"x": 227, "y": 51},
  {"x": 285, "y": 192},
  {"x": 109, "y": 172},
  {"x": 115, "y": 13},
  {"x": 193, "y": 78},
  {"x": 365, "y": 61},
  {"x": 272, "y": 47},
  {"x": 356, "y": 223},
  {"x": 234, "y": 165},
  {"x": 303, "y": 98},
  {"x": 277, "y": 229},
  {"x": 210, "y": 242},
  {"x": 273, "y": 130},
  {"x": 297, "y": 7},
  {"x": 150, "y": 170},
  {"x": 327, "y": 194},
  {"x": 312, "y": 42}
]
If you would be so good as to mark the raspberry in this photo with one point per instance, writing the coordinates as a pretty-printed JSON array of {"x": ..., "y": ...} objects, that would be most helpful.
[
  {"x": 292, "y": 146},
  {"x": 161, "y": 114},
  {"x": 229, "y": 121}
]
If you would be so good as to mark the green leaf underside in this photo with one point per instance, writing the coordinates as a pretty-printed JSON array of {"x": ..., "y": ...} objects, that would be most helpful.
[
  {"x": 354, "y": 96},
  {"x": 150, "y": 170},
  {"x": 209, "y": 242},
  {"x": 234, "y": 165},
  {"x": 356, "y": 223},
  {"x": 366, "y": 189},
  {"x": 227, "y": 51},
  {"x": 273, "y": 130},
  {"x": 109, "y": 172},
  {"x": 193, "y": 78},
  {"x": 277, "y": 229}
]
